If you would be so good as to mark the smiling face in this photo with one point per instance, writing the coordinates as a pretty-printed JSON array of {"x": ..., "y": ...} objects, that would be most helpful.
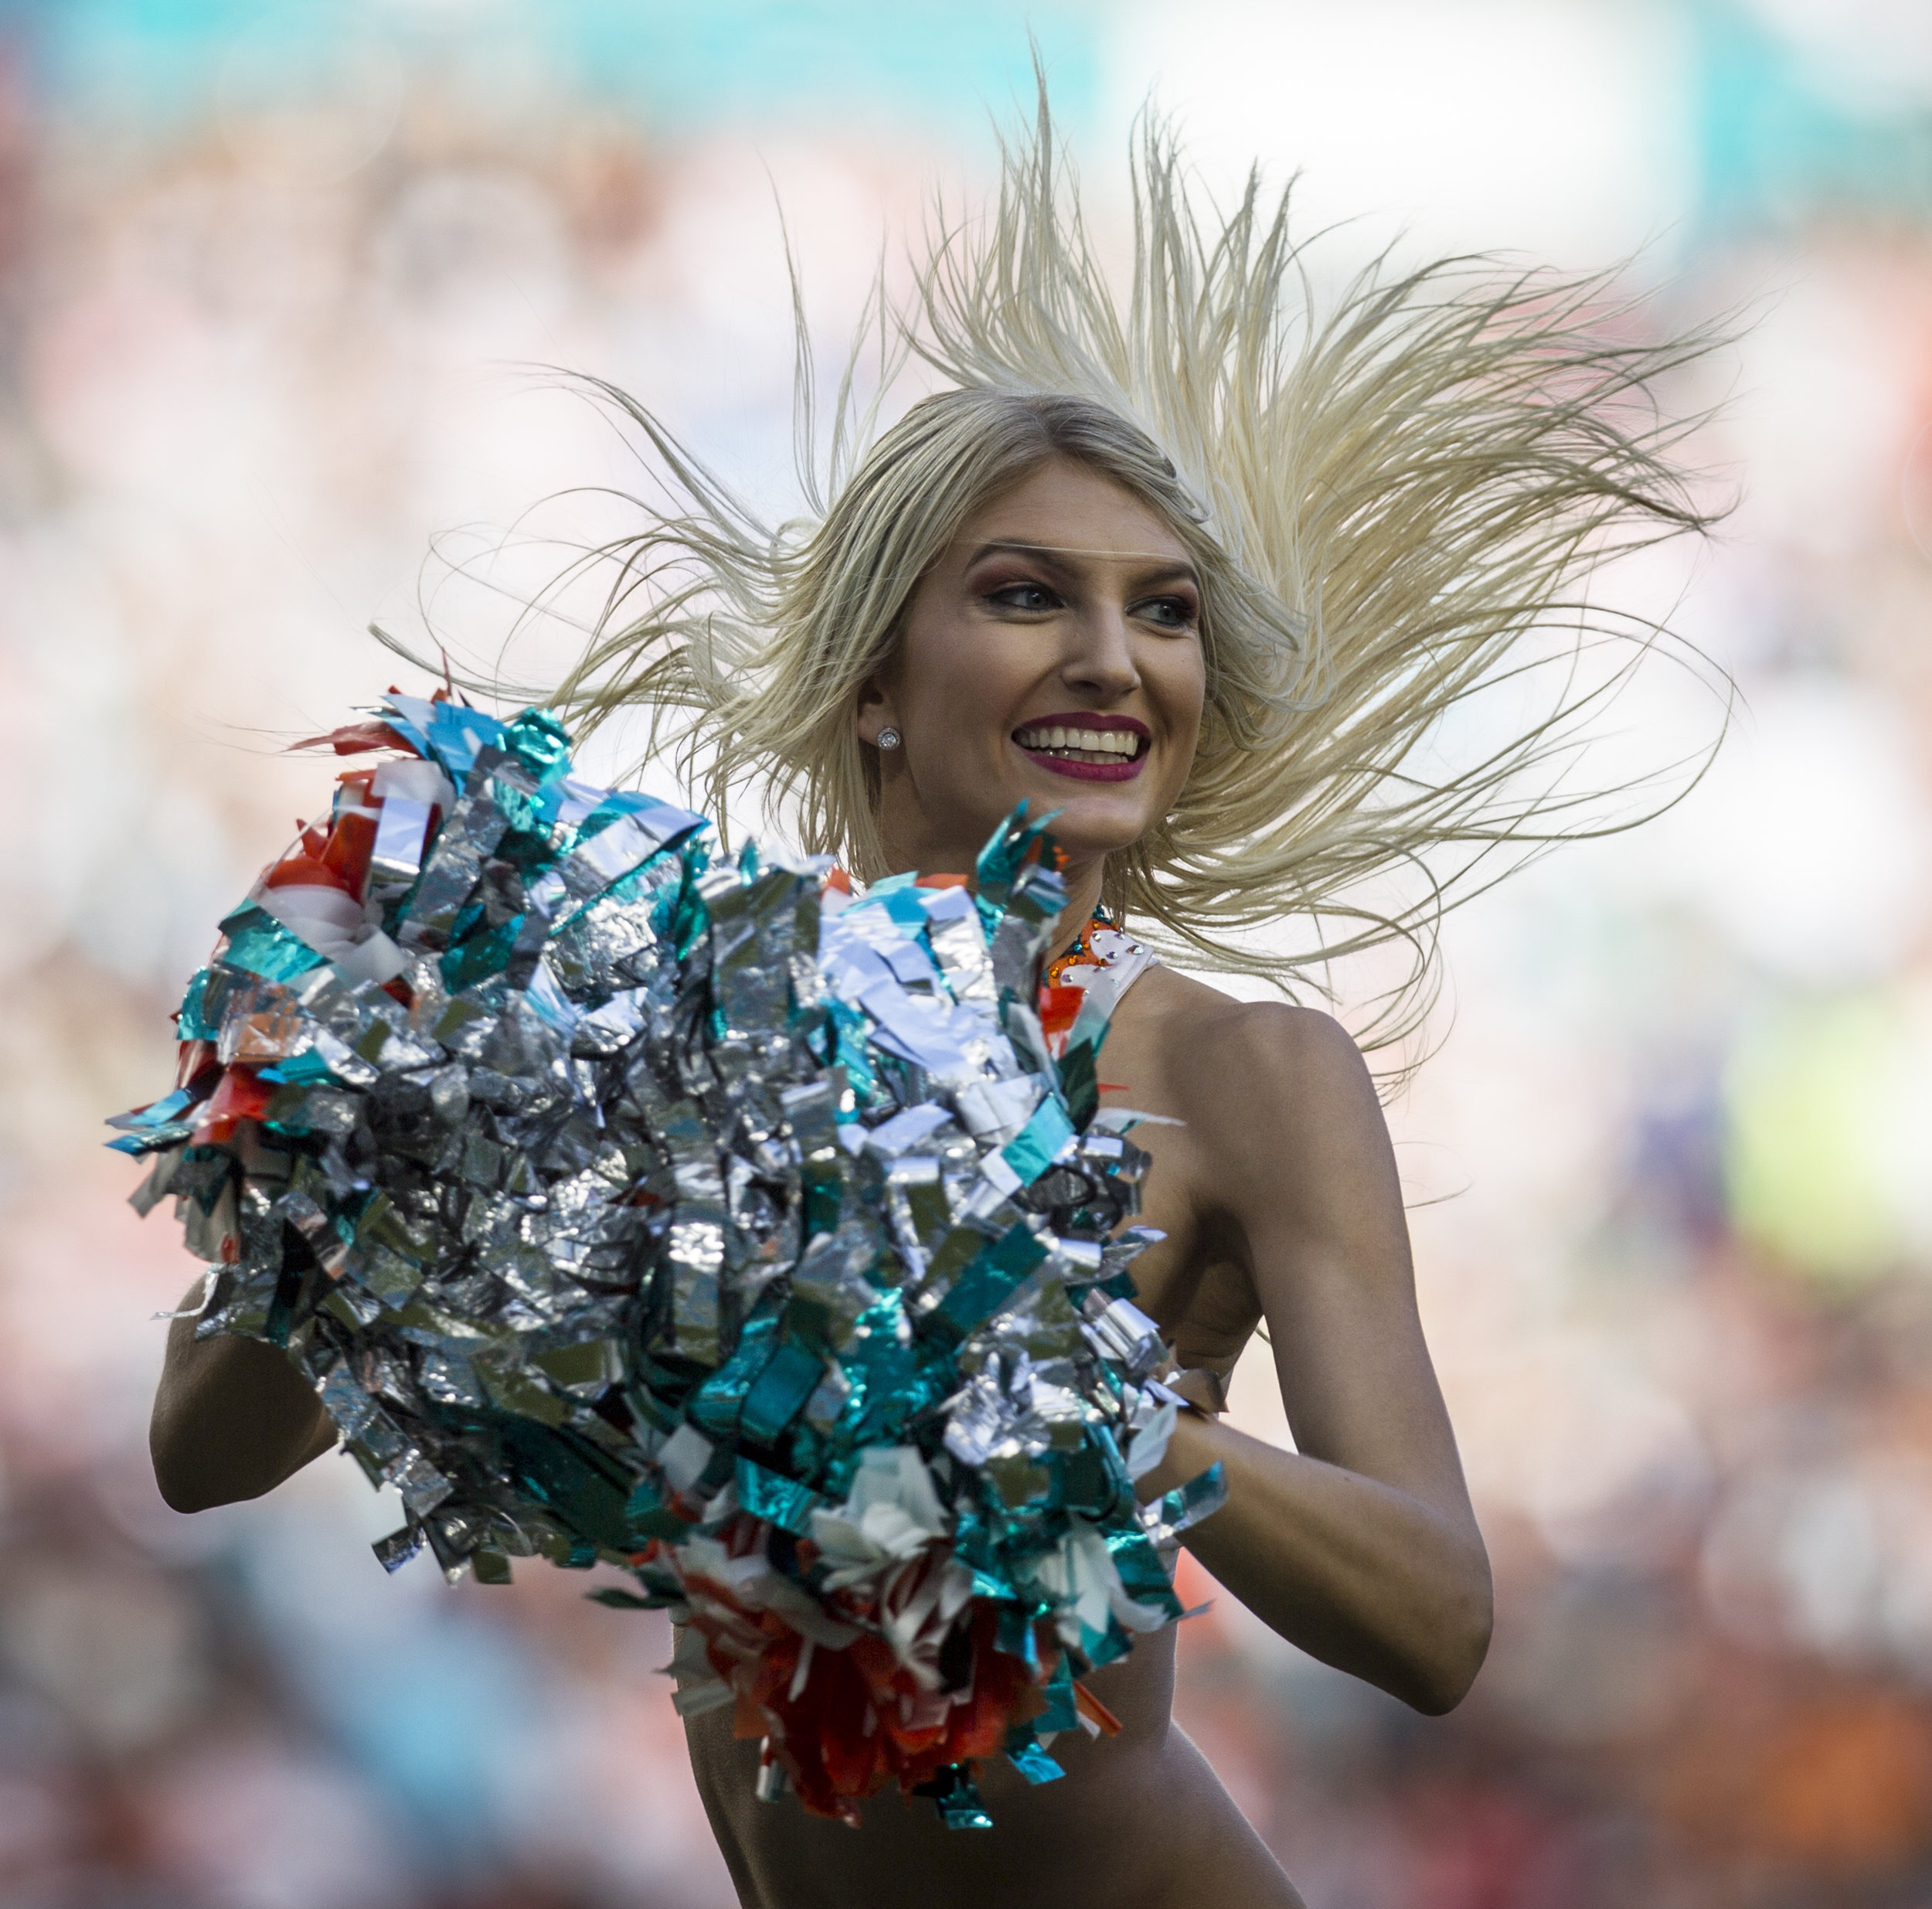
[{"x": 1053, "y": 655}]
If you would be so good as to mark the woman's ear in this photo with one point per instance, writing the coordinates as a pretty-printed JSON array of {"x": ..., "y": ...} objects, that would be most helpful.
[{"x": 875, "y": 710}]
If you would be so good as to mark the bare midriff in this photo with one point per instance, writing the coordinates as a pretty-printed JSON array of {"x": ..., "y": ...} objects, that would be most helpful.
[{"x": 1138, "y": 1822}]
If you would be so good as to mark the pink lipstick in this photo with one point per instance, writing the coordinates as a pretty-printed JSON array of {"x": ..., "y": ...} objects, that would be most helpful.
[{"x": 1086, "y": 745}]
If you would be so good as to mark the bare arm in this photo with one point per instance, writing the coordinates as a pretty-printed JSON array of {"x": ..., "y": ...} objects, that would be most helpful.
[
  {"x": 232, "y": 1419},
  {"x": 1362, "y": 1548}
]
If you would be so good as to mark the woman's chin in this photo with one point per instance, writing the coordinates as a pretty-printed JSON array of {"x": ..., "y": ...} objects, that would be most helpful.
[{"x": 1092, "y": 821}]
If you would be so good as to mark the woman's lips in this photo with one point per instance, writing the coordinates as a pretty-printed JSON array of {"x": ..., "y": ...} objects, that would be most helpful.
[
  {"x": 1086, "y": 745},
  {"x": 1125, "y": 770}
]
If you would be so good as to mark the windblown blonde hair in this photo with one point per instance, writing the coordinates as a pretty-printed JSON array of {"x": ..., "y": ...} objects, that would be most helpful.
[{"x": 1384, "y": 498}]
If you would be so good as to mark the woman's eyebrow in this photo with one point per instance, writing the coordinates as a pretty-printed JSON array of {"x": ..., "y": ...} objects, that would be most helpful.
[{"x": 1164, "y": 567}]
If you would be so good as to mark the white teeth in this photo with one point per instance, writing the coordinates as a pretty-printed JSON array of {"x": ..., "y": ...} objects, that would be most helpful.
[{"x": 1094, "y": 742}]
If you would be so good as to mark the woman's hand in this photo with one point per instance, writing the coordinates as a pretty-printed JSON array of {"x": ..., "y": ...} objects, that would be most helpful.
[
  {"x": 1360, "y": 1547},
  {"x": 232, "y": 1419}
]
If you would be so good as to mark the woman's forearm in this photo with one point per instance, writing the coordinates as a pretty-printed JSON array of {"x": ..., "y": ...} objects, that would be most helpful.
[
  {"x": 1366, "y": 1577},
  {"x": 232, "y": 1419}
]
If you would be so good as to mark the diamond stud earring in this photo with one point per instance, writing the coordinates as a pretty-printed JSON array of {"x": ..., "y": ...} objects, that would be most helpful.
[{"x": 889, "y": 738}]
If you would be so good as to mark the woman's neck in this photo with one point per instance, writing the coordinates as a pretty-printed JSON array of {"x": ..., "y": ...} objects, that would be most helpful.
[{"x": 1083, "y": 882}]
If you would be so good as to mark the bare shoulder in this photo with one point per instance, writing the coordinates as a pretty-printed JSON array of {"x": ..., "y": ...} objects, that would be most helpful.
[
  {"x": 1216, "y": 1053},
  {"x": 1278, "y": 1109}
]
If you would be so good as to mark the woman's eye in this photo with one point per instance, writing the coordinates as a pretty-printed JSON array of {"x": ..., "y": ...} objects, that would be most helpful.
[
  {"x": 1024, "y": 596},
  {"x": 1171, "y": 613}
]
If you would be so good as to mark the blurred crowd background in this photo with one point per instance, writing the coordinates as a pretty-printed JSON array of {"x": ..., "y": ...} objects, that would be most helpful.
[{"x": 271, "y": 276}]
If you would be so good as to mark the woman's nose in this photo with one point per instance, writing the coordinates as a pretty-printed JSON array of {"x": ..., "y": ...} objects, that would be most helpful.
[{"x": 1100, "y": 658}]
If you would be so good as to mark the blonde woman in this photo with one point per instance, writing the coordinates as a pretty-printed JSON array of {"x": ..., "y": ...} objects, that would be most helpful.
[{"x": 1202, "y": 573}]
